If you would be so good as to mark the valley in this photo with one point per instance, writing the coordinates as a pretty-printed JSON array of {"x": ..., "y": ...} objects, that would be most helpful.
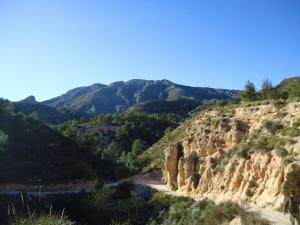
[{"x": 228, "y": 160}]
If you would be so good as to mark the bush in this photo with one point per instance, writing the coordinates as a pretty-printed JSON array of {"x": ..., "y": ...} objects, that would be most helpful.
[
  {"x": 218, "y": 214},
  {"x": 3, "y": 141},
  {"x": 292, "y": 132},
  {"x": 44, "y": 220},
  {"x": 127, "y": 222},
  {"x": 261, "y": 143},
  {"x": 281, "y": 152},
  {"x": 288, "y": 159},
  {"x": 272, "y": 126},
  {"x": 243, "y": 149},
  {"x": 275, "y": 142}
]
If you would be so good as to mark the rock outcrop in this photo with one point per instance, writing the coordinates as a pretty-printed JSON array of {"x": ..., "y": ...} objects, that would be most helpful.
[{"x": 243, "y": 154}]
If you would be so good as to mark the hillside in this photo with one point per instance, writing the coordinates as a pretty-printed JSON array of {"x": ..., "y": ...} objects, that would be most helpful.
[
  {"x": 45, "y": 113},
  {"x": 119, "y": 96},
  {"x": 32, "y": 153},
  {"x": 118, "y": 139},
  {"x": 246, "y": 153},
  {"x": 180, "y": 106},
  {"x": 286, "y": 83}
]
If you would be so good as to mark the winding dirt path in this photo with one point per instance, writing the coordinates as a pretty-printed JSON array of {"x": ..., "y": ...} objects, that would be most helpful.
[{"x": 276, "y": 218}]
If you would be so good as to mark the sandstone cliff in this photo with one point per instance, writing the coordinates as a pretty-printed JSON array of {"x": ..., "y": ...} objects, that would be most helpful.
[{"x": 246, "y": 154}]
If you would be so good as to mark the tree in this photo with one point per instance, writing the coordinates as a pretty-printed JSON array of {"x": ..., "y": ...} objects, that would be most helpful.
[
  {"x": 72, "y": 132},
  {"x": 90, "y": 142},
  {"x": 5, "y": 106},
  {"x": 34, "y": 115},
  {"x": 249, "y": 93},
  {"x": 112, "y": 152},
  {"x": 137, "y": 147},
  {"x": 3, "y": 141},
  {"x": 266, "y": 89}
]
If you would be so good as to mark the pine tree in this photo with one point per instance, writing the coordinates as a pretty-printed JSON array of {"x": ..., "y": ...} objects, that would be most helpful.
[
  {"x": 266, "y": 89},
  {"x": 249, "y": 93}
]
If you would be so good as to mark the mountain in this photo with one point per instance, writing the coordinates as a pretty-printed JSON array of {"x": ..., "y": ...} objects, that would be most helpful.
[
  {"x": 286, "y": 83},
  {"x": 45, "y": 113},
  {"x": 33, "y": 153},
  {"x": 119, "y": 96}
]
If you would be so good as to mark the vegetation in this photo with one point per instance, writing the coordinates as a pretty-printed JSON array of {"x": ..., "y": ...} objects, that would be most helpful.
[
  {"x": 3, "y": 141},
  {"x": 152, "y": 158},
  {"x": 31, "y": 152},
  {"x": 43, "y": 220},
  {"x": 119, "y": 96},
  {"x": 206, "y": 213},
  {"x": 117, "y": 206},
  {"x": 288, "y": 89},
  {"x": 249, "y": 93},
  {"x": 180, "y": 106},
  {"x": 45, "y": 113},
  {"x": 118, "y": 140}
]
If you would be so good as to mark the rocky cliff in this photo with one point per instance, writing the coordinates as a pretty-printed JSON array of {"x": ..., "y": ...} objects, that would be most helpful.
[{"x": 245, "y": 153}]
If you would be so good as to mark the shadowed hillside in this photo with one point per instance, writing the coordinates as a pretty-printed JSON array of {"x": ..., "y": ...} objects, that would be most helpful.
[
  {"x": 44, "y": 113},
  {"x": 31, "y": 152}
]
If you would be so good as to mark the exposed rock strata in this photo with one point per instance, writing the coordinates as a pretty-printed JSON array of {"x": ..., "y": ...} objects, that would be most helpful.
[{"x": 194, "y": 165}]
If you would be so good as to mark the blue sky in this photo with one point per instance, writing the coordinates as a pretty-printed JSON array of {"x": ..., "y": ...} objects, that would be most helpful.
[{"x": 49, "y": 47}]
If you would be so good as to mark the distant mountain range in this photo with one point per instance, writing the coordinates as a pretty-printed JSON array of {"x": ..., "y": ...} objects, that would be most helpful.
[
  {"x": 119, "y": 96},
  {"x": 137, "y": 95}
]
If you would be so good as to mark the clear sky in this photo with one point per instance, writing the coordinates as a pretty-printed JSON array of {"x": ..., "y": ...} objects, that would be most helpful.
[{"x": 50, "y": 46}]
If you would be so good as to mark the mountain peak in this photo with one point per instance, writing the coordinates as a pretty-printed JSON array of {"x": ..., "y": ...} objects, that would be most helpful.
[
  {"x": 30, "y": 99},
  {"x": 167, "y": 82}
]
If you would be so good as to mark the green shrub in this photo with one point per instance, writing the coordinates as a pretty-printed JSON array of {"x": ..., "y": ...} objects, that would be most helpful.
[
  {"x": 221, "y": 213},
  {"x": 243, "y": 149},
  {"x": 292, "y": 132},
  {"x": 43, "y": 220},
  {"x": 275, "y": 142},
  {"x": 281, "y": 152},
  {"x": 127, "y": 222},
  {"x": 288, "y": 159},
  {"x": 261, "y": 143},
  {"x": 3, "y": 141},
  {"x": 252, "y": 218},
  {"x": 272, "y": 126}
]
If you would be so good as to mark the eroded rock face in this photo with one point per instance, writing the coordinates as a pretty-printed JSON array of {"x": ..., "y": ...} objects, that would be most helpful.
[{"x": 197, "y": 165}]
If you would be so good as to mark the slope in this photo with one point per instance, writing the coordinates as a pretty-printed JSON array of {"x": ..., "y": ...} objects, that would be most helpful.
[{"x": 32, "y": 153}]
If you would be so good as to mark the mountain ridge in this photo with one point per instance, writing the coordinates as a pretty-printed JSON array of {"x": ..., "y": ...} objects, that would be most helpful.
[{"x": 119, "y": 96}]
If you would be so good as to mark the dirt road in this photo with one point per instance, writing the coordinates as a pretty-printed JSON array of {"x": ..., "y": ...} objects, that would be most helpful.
[{"x": 276, "y": 218}]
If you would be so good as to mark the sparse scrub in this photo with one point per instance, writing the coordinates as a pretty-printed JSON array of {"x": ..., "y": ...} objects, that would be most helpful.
[
  {"x": 292, "y": 131},
  {"x": 288, "y": 159},
  {"x": 281, "y": 152},
  {"x": 243, "y": 149},
  {"x": 275, "y": 142},
  {"x": 207, "y": 213},
  {"x": 261, "y": 143},
  {"x": 272, "y": 126}
]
